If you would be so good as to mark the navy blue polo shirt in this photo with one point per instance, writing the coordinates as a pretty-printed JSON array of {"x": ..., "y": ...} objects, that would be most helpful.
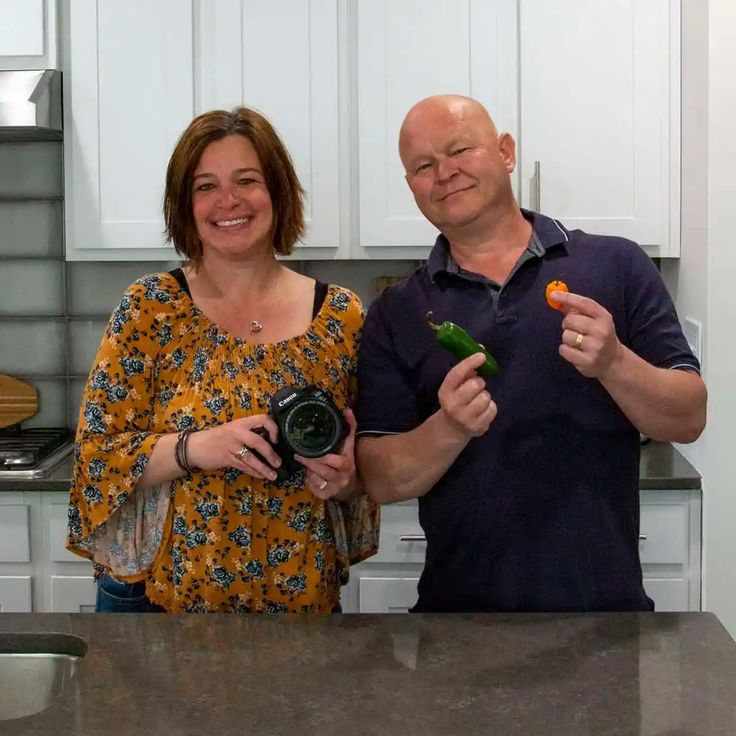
[{"x": 542, "y": 512}]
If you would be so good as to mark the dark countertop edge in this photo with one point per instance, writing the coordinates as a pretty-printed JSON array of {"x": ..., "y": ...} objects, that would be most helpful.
[{"x": 662, "y": 467}]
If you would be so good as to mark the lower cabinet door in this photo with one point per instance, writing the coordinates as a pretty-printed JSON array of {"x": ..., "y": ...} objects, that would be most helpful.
[
  {"x": 71, "y": 594},
  {"x": 387, "y": 595},
  {"x": 668, "y": 595},
  {"x": 15, "y": 594}
]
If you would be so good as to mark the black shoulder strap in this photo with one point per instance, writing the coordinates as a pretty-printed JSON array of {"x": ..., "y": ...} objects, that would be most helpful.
[
  {"x": 178, "y": 274},
  {"x": 320, "y": 294}
]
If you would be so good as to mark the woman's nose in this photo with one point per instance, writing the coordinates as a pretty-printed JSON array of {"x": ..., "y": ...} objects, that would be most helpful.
[{"x": 229, "y": 196}]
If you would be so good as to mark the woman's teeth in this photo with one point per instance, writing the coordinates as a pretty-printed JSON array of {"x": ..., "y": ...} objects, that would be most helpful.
[{"x": 232, "y": 223}]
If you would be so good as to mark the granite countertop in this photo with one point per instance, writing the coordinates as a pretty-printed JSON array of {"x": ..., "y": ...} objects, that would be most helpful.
[
  {"x": 511, "y": 674},
  {"x": 661, "y": 467}
]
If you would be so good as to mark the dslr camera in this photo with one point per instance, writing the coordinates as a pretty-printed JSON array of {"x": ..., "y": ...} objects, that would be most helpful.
[{"x": 309, "y": 424}]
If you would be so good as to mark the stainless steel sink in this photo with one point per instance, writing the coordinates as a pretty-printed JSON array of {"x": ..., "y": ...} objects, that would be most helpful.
[{"x": 34, "y": 670}]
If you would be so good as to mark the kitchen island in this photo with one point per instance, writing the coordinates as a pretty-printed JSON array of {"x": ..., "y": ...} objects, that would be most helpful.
[{"x": 655, "y": 673}]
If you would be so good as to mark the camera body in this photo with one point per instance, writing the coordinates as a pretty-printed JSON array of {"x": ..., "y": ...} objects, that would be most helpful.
[{"x": 310, "y": 425}]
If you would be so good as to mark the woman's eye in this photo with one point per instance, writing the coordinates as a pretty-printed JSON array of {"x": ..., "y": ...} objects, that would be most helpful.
[
  {"x": 246, "y": 180},
  {"x": 206, "y": 187}
]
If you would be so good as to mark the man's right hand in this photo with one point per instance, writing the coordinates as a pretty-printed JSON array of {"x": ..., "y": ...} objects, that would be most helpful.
[{"x": 465, "y": 404}]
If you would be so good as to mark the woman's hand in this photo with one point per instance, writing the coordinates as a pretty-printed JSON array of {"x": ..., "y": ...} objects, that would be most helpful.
[
  {"x": 333, "y": 476},
  {"x": 231, "y": 445}
]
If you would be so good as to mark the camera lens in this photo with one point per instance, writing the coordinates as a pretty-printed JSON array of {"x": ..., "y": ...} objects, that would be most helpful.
[{"x": 312, "y": 428}]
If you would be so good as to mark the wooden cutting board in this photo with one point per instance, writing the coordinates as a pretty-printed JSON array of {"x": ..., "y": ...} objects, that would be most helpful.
[{"x": 18, "y": 400}]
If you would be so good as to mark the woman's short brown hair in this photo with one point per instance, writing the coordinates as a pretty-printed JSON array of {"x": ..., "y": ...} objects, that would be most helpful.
[{"x": 278, "y": 171}]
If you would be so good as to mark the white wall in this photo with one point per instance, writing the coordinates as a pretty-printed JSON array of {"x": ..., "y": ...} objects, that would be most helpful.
[
  {"x": 719, "y": 522},
  {"x": 686, "y": 278}
]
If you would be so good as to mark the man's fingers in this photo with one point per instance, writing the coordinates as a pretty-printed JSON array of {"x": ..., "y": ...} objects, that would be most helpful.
[
  {"x": 576, "y": 303},
  {"x": 466, "y": 368}
]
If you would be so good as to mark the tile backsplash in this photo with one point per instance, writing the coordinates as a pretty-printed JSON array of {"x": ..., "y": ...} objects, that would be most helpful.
[{"x": 53, "y": 313}]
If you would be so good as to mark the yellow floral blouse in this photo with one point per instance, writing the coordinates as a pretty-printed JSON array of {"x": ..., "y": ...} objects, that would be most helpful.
[{"x": 215, "y": 540}]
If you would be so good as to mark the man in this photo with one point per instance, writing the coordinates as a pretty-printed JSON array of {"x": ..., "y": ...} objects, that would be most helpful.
[{"x": 528, "y": 481}]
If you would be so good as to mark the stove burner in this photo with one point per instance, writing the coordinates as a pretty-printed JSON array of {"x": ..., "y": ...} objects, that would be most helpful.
[{"x": 25, "y": 448}]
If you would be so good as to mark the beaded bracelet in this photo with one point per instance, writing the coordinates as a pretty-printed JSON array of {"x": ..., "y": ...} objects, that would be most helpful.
[{"x": 180, "y": 450}]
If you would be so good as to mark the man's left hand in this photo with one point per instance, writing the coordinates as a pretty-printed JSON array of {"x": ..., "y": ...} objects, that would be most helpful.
[{"x": 589, "y": 339}]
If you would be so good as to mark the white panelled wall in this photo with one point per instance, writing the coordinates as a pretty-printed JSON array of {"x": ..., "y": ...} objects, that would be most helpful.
[{"x": 703, "y": 280}]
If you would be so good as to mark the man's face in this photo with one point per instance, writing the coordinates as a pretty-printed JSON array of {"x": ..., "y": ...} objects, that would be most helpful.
[{"x": 456, "y": 166}]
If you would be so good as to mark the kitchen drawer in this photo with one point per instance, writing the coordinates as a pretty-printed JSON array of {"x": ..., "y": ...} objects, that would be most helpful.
[
  {"x": 387, "y": 595},
  {"x": 15, "y": 545},
  {"x": 664, "y": 534},
  {"x": 668, "y": 595},
  {"x": 15, "y": 594},
  {"x": 402, "y": 539}
]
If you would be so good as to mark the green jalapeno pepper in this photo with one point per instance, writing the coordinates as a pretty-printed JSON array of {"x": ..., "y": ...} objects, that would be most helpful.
[{"x": 461, "y": 345}]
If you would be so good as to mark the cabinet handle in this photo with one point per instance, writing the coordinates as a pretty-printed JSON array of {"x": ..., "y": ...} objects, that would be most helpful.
[
  {"x": 537, "y": 186},
  {"x": 412, "y": 538},
  {"x": 642, "y": 537}
]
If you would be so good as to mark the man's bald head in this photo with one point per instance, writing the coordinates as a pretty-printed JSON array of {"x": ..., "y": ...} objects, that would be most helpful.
[{"x": 435, "y": 109}]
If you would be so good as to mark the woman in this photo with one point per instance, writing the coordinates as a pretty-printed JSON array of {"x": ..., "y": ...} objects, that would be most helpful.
[{"x": 173, "y": 488}]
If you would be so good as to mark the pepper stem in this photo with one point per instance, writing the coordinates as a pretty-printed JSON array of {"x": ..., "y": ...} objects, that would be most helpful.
[{"x": 431, "y": 324}]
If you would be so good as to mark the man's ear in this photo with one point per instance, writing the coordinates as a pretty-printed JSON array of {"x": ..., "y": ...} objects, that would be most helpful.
[{"x": 507, "y": 149}]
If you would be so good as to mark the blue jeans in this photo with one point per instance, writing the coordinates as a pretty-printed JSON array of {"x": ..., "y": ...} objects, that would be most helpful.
[{"x": 114, "y": 597}]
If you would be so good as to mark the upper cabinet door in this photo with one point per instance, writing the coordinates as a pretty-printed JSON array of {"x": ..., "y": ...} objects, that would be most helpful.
[
  {"x": 407, "y": 50},
  {"x": 129, "y": 93},
  {"x": 28, "y": 34},
  {"x": 600, "y": 116},
  {"x": 281, "y": 58},
  {"x": 139, "y": 73}
]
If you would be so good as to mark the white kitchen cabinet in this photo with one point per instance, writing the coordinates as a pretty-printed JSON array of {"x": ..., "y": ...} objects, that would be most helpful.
[
  {"x": 37, "y": 572},
  {"x": 139, "y": 72},
  {"x": 408, "y": 50},
  {"x": 589, "y": 90},
  {"x": 15, "y": 541},
  {"x": 73, "y": 594},
  {"x": 68, "y": 579},
  {"x": 28, "y": 34},
  {"x": 600, "y": 108},
  {"x": 669, "y": 548}
]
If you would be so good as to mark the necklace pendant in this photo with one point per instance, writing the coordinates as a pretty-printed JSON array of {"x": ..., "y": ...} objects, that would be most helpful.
[{"x": 255, "y": 327}]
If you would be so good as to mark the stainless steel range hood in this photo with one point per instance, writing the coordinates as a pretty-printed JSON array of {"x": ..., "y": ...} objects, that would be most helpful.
[{"x": 30, "y": 105}]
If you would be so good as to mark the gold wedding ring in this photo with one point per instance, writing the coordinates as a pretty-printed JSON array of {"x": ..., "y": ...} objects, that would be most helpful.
[{"x": 579, "y": 341}]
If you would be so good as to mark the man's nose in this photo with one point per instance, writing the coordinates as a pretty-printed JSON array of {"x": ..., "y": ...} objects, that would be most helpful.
[{"x": 446, "y": 169}]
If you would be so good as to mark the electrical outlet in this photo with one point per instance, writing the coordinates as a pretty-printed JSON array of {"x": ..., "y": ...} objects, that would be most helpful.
[{"x": 693, "y": 331}]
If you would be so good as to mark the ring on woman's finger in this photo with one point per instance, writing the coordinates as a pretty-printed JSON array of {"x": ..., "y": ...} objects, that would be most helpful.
[
  {"x": 322, "y": 485},
  {"x": 579, "y": 341},
  {"x": 244, "y": 450}
]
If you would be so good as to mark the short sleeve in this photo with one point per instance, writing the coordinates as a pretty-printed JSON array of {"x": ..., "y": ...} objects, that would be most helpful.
[
  {"x": 387, "y": 402},
  {"x": 653, "y": 328}
]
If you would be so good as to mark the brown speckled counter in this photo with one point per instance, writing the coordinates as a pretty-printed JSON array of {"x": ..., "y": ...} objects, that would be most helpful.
[
  {"x": 661, "y": 467},
  {"x": 454, "y": 674}
]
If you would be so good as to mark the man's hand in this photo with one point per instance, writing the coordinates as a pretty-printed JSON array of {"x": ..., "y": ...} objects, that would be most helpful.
[
  {"x": 466, "y": 405},
  {"x": 589, "y": 338}
]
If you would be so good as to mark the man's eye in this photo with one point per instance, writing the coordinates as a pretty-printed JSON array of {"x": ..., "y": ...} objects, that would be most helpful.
[
  {"x": 460, "y": 150},
  {"x": 422, "y": 167}
]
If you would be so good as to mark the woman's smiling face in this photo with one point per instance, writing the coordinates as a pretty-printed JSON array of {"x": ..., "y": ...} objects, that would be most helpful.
[{"x": 230, "y": 201}]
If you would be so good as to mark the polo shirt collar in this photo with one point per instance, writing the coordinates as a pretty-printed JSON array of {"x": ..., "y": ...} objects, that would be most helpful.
[{"x": 546, "y": 233}]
